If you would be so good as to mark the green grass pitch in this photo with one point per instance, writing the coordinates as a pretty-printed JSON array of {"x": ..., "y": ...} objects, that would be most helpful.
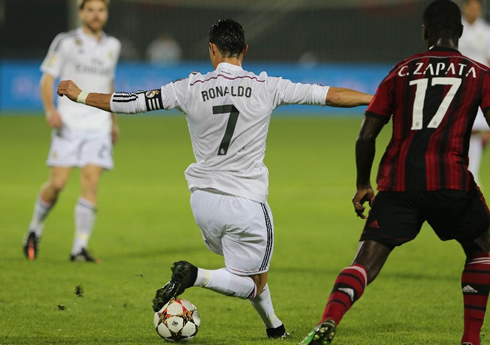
[{"x": 145, "y": 223}]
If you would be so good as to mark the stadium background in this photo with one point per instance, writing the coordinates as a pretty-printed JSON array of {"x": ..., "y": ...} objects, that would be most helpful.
[{"x": 348, "y": 43}]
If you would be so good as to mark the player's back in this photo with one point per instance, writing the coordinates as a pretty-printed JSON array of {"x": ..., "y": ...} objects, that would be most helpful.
[
  {"x": 434, "y": 98},
  {"x": 228, "y": 113},
  {"x": 228, "y": 116}
]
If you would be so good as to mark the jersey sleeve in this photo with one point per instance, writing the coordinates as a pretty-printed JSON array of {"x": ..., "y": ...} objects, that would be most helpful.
[
  {"x": 284, "y": 91},
  {"x": 55, "y": 59},
  {"x": 174, "y": 94},
  {"x": 168, "y": 97},
  {"x": 485, "y": 99},
  {"x": 382, "y": 105}
]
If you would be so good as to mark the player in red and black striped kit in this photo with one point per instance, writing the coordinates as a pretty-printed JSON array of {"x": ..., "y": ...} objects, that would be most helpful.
[{"x": 433, "y": 98}]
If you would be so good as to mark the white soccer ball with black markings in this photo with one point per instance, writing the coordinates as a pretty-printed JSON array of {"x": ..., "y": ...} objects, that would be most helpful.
[{"x": 177, "y": 321}]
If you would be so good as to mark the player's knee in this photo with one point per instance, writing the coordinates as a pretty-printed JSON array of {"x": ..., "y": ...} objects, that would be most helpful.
[
  {"x": 90, "y": 181},
  {"x": 484, "y": 241},
  {"x": 57, "y": 184},
  {"x": 260, "y": 281}
]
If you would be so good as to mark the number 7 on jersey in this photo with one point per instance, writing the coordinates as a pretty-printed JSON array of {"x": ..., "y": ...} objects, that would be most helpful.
[{"x": 230, "y": 126}]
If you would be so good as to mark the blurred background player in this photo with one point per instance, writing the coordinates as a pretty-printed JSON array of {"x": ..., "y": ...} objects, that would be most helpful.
[
  {"x": 82, "y": 137},
  {"x": 164, "y": 50},
  {"x": 423, "y": 175},
  {"x": 228, "y": 112},
  {"x": 475, "y": 43}
]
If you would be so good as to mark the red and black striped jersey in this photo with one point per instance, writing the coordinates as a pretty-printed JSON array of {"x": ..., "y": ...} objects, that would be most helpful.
[{"x": 434, "y": 98}]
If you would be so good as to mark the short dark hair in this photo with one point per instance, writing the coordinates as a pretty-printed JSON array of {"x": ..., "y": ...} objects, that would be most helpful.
[
  {"x": 229, "y": 37},
  {"x": 443, "y": 18}
]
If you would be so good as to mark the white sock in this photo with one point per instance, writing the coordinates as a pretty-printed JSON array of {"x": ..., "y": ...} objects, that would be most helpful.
[
  {"x": 226, "y": 283},
  {"x": 85, "y": 213},
  {"x": 475, "y": 153},
  {"x": 41, "y": 211},
  {"x": 263, "y": 304}
]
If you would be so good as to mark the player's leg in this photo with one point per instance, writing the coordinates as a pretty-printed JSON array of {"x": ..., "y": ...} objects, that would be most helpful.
[
  {"x": 43, "y": 205},
  {"x": 94, "y": 157},
  {"x": 242, "y": 231},
  {"x": 475, "y": 285},
  {"x": 475, "y": 280},
  {"x": 392, "y": 221},
  {"x": 348, "y": 289},
  {"x": 85, "y": 212},
  {"x": 464, "y": 216},
  {"x": 351, "y": 282}
]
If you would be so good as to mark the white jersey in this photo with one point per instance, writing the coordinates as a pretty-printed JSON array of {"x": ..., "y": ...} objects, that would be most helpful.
[
  {"x": 475, "y": 42},
  {"x": 228, "y": 113},
  {"x": 91, "y": 65}
]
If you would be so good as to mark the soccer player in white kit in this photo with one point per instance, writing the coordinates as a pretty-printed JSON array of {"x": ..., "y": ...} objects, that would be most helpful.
[
  {"x": 475, "y": 43},
  {"x": 228, "y": 113},
  {"x": 82, "y": 136}
]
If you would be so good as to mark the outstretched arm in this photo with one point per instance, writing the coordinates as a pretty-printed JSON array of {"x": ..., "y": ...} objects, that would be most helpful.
[
  {"x": 118, "y": 102},
  {"x": 346, "y": 98},
  {"x": 98, "y": 100},
  {"x": 365, "y": 151}
]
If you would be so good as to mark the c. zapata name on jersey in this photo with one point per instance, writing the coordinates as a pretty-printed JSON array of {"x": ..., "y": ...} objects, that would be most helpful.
[{"x": 220, "y": 91}]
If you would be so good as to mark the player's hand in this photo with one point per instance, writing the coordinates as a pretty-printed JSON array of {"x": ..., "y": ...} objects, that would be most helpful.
[
  {"x": 53, "y": 119},
  {"x": 362, "y": 195},
  {"x": 69, "y": 89},
  {"x": 115, "y": 134}
]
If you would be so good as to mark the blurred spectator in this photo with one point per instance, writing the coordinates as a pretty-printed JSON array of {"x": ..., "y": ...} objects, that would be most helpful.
[
  {"x": 308, "y": 59},
  {"x": 164, "y": 50},
  {"x": 475, "y": 43},
  {"x": 128, "y": 50}
]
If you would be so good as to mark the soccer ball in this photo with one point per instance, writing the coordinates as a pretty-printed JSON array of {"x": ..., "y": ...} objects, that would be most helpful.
[{"x": 178, "y": 320}]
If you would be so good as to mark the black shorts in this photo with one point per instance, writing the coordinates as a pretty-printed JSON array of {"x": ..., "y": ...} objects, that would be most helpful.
[{"x": 396, "y": 217}]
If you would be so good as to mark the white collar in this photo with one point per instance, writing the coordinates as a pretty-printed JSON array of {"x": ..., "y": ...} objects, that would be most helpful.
[
  {"x": 227, "y": 65},
  {"x": 88, "y": 37},
  {"x": 476, "y": 23}
]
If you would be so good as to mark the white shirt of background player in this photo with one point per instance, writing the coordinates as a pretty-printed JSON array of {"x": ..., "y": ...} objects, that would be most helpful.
[{"x": 78, "y": 56}]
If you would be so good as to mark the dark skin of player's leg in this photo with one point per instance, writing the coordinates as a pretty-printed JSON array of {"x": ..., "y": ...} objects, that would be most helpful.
[
  {"x": 481, "y": 244},
  {"x": 372, "y": 255},
  {"x": 484, "y": 241}
]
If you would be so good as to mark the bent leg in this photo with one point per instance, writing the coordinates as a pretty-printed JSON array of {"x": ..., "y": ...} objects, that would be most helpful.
[
  {"x": 48, "y": 197},
  {"x": 351, "y": 282},
  {"x": 475, "y": 284},
  {"x": 262, "y": 303},
  {"x": 226, "y": 283},
  {"x": 348, "y": 288},
  {"x": 254, "y": 288},
  {"x": 44, "y": 203}
]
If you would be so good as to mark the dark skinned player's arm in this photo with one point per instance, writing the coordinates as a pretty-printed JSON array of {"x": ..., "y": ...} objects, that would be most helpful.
[{"x": 365, "y": 151}]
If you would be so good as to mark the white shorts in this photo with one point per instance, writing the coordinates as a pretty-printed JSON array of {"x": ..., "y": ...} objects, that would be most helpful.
[
  {"x": 78, "y": 148},
  {"x": 240, "y": 229},
  {"x": 480, "y": 122}
]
